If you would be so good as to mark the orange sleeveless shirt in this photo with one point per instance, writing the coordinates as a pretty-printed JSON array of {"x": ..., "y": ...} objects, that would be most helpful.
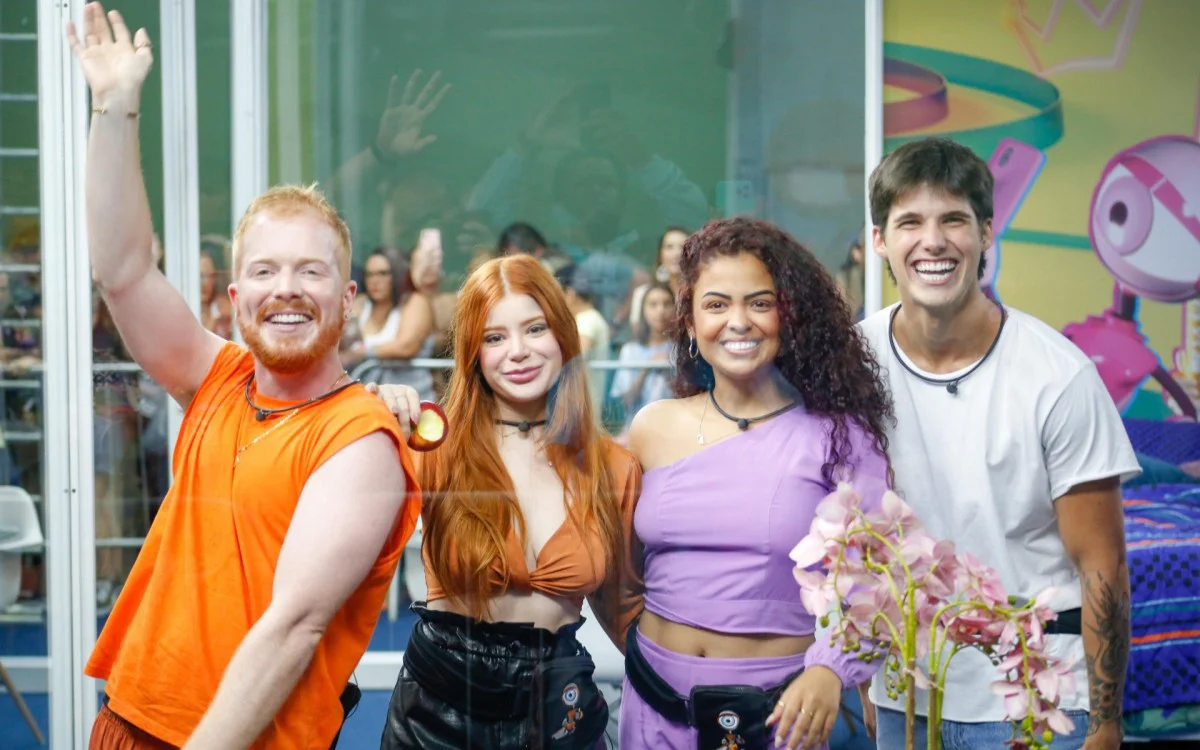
[{"x": 205, "y": 573}]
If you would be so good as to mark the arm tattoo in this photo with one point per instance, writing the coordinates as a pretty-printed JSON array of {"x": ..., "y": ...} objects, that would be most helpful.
[{"x": 1107, "y": 660}]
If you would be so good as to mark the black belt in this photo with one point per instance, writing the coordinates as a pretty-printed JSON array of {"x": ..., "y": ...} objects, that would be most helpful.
[
  {"x": 659, "y": 695},
  {"x": 1069, "y": 622},
  {"x": 477, "y": 695}
]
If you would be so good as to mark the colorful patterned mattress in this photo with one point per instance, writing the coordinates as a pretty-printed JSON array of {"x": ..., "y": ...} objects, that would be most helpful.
[{"x": 1162, "y": 529}]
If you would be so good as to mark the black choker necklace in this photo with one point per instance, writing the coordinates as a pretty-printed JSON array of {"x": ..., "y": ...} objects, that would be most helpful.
[
  {"x": 523, "y": 425},
  {"x": 950, "y": 383},
  {"x": 744, "y": 423},
  {"x": 261, "y": 414}
]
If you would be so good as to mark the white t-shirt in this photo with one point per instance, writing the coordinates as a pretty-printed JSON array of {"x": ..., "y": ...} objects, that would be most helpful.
[{"x": 983, "y": 467}]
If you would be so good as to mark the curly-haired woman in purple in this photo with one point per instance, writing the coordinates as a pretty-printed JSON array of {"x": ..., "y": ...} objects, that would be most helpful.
[{"x": 777, "y": 400}]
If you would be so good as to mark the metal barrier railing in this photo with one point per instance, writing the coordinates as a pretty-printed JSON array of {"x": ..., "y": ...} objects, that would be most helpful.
[{"x": 427, "y": 363}]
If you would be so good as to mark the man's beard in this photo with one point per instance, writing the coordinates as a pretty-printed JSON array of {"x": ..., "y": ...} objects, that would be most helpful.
[{"x": 292, "y": 356}]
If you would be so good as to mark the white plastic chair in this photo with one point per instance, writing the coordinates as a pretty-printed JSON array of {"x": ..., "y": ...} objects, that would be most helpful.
[{"x": 19, "y": 532}]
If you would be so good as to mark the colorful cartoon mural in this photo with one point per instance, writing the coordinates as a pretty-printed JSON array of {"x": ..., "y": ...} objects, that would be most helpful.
[{"x": 1089, "y": 115}]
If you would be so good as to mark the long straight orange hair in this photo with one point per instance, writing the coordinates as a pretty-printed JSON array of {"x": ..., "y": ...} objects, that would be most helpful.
[{"x": 471, "y": 505}]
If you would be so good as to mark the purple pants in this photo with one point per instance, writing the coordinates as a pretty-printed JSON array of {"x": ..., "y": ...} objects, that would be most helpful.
[{"x": 643, "y": 729}]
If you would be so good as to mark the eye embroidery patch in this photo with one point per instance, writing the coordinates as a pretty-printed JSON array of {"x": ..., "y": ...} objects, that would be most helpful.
[
  {"x": 570, "y": 698},
  {"x": 730, "y": 721}
]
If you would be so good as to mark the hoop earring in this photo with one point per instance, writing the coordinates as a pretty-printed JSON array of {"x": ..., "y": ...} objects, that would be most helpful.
[{"x": 693, "y": 350}]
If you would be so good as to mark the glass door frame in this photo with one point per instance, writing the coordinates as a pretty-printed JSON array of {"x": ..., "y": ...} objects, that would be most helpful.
[
  {"x": 67, "y": 396},
  {"x": 251, "y": 146},
  {"x": 68, "y": 461},
  {"x": 872, "y": 148}
]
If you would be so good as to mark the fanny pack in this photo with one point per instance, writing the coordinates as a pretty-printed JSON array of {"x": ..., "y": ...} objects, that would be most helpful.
[
  {"x": 349, "y": 699},
  {"x": 562, "y": 704},
  {"x": 724, "y": 716},
  {"x": 569, "y": 711}
]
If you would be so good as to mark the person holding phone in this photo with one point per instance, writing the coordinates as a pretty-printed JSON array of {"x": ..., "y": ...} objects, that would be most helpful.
[{"x": 394, "y": 322}]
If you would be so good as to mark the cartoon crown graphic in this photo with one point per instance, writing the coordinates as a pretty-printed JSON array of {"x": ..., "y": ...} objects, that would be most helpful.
[{"x": 1036, "y": 37}]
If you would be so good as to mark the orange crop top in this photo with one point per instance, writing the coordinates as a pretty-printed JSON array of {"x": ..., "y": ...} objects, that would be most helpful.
[{"x": 571, "y": 563}]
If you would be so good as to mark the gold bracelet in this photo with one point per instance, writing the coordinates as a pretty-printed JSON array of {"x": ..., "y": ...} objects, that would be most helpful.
[{"x": 104, "y": 111}]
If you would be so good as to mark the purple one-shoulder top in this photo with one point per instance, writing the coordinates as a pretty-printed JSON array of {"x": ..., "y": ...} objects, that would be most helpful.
[{"x": 718, "y": 525}]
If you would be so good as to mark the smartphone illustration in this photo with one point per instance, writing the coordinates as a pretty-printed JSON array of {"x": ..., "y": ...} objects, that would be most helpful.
[{"x": 1015, "y": 167}]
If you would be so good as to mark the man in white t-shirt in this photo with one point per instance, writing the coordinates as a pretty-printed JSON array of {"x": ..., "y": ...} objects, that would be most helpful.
[{"x": 1006, "y": 443}]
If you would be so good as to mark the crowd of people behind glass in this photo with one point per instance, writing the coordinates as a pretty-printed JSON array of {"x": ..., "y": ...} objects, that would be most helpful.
[
  {"x": 579, "y": 190},
  {"x": 402, "y": 311}
]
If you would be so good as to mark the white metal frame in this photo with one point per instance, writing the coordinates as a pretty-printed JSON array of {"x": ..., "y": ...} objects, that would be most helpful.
[
  {"x": 78, "y": 275},
  {"x": 56, "y": 174},
  {"x": 67, "y": 388},
  {"x": 249, "y": 108},
  {"x": 872, "y": 148},
  {"x": 248, "y": 47},
  {"x": 181, "y": 181}
]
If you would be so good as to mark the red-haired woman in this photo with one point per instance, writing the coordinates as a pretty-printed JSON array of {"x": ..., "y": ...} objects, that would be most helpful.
[{"x": 526, "y": 510}]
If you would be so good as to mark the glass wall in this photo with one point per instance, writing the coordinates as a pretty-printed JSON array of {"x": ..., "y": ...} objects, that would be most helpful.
[
  {"x": 132, "y": 425},
  {"x": 23, "y": 607},
  {"x": 128, "y": 448},
  {"x": 42, "y": 638},
  {"x": 600, "y": 125}
]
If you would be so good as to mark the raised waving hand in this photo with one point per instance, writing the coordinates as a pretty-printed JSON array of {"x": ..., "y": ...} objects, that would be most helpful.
[{"x": 114, "y": 63}]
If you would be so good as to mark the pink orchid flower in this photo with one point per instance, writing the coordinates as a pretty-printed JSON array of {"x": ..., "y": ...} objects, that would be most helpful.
[{"x": 881, "y": 570}]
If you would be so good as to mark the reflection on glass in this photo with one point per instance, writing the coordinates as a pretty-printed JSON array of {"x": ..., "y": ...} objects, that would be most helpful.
[
  {"x": 22, "y": 509},
  {"x": 128, "y": 423},
  {"x": 594, "y": 136},
  {"x": 214, "y": 141},
  {"x": 851, "y": 276}
]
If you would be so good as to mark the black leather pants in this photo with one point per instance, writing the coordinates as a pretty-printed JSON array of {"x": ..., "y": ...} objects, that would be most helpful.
[{"x": 467, "y": 685}]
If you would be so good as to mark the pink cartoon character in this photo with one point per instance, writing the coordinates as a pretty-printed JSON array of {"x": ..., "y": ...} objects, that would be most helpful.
[
  {"x": 1145, "y": 229},
  {"x": 1015, "y": 167}
]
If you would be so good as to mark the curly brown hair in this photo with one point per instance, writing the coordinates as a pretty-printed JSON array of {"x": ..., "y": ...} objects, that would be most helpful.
[{"x": 821, "y": 353}]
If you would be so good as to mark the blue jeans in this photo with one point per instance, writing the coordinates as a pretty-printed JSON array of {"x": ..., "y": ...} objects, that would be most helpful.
[
  {"x": 849, "y": 733},
  {"x": 959, "y": 735}
]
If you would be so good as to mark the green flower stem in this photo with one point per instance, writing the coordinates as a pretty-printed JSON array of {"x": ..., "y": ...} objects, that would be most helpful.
[
  {"x": 1028, "y": 682},
  {"x": 891, "y": 626},
  {"x": 910, "y": 638},
  {"x": 908, "y": 645},
  {"x": 868, "y": 562}
]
